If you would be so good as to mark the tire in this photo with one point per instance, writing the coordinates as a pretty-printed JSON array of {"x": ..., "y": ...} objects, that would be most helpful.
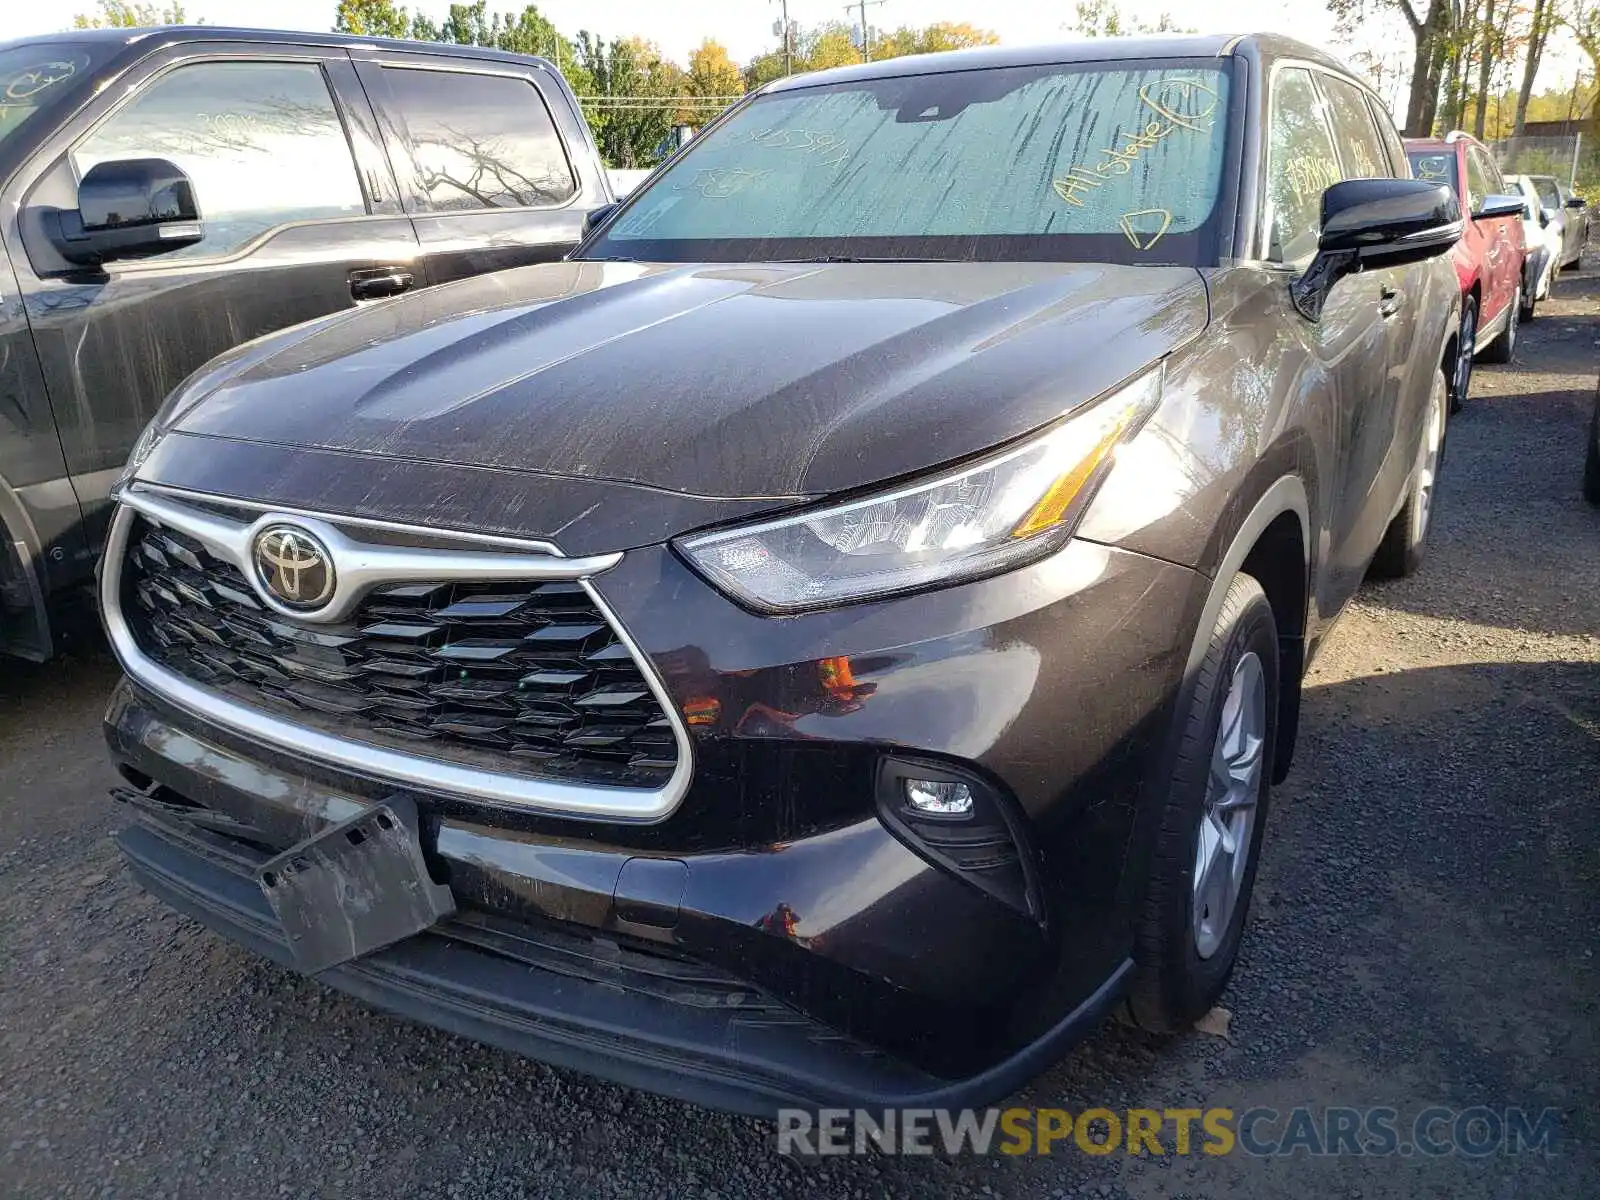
[
  {"x": 1467, "y": 332},
  {"x": 1400, "y": 552},
  {"x": 1530, "y": 299},
  {"x": 1591, "y": 460},
  {"x": 1182, "y": 964},
  {"x": 1503, "y": 347}
]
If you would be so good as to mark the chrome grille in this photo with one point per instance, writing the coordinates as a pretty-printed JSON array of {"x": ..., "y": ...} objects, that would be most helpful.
[{"x": 526, "y": 678}]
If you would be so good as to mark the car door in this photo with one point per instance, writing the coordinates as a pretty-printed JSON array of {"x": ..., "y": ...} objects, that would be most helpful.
[
  {"x": 497, "y": 167},
  {"x": 1500, "y": 238},
  {"x": 1571, "y": 221},
  {"x": 301, "y": 215},
  {"x": 1385, "y": 426},
  {"x": 1348, "y": 343}
]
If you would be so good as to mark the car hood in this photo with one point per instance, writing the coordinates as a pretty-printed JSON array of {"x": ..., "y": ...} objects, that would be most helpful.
[{"x": 775, "y": 381}]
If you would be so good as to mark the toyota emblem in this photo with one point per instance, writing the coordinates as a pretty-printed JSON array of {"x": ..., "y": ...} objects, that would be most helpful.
[{"x": 294, "y": 567}]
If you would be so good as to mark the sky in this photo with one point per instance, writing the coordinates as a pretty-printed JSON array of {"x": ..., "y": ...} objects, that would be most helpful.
[{"x": 745, "y": 26}]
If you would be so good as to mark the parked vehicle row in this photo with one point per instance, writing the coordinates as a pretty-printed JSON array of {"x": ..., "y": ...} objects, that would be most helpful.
[
  {"x": 170, "y": 196},
  {"x": 831, "y": 638}
]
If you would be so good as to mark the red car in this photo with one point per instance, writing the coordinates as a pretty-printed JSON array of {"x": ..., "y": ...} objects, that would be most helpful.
[{"x": 1488, "y": 258}]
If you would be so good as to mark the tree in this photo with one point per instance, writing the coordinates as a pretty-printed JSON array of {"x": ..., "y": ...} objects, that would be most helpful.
[
  {"x": 119, "y": 14},
  {"x": 1432, "y": 32},
  {"x": 371, "y": 18},
  {"x": 632, "y": 108},
  {"x": 1104, "y": 18},
  {"x": 1538, "y": 34},
  {"x": 932, "y": 39},
  {"x": 713, "y": 78}
]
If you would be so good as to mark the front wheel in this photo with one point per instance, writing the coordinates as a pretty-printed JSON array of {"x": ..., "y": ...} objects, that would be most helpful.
[
  {"x": 1400, "y": 552},
  {"x": 1214, "y": 810},
  {"x": 1501, "y": 349},
  {"x": 1466, "y": 340}
]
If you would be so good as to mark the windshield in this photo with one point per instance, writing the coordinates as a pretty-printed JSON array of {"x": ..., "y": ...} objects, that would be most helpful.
[
  {"x": 1436, "y": 165},
  {"x": 1085, "y": 162},
  {"x": 35, "y": 76}
]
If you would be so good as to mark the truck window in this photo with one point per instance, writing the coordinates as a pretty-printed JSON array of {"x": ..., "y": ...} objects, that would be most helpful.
[
  {"x": 261, "y": 141},
  {"x": 481, "y": 141}
]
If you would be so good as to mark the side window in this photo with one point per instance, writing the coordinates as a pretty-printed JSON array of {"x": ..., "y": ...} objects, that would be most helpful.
[
  {"x": 1493, "y": 179},
  {"x": 261, "y": 142},
  {"x": 1400, "y": 164},
  {"x": 1549, "y": 193},
  {"x": 1364, "y": 156},
  {"x": 1301, "y": 164},
  {"x": 481, "y": 141},
  {"x": 1477, "y": 179}
]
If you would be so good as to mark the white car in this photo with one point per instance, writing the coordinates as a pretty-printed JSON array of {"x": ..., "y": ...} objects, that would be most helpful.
[{"x": 1542, "y": 230}]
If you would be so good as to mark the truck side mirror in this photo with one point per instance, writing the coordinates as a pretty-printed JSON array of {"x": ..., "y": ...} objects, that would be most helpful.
[{"x": 128, "y": 208}]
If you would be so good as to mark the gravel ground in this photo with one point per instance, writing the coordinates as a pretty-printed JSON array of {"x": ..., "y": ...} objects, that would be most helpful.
[{"x": 1424, "y": 930}]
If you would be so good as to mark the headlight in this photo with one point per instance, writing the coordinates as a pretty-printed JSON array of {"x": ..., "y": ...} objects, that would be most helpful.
[{"x": 988, "y": 517}]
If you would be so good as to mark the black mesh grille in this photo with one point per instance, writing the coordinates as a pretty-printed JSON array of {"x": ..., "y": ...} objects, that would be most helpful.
[{"x": 526, "y": 678}]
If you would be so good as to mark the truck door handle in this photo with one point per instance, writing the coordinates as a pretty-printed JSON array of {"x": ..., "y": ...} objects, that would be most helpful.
[
  {"x": 1389, "y": 300},
  {"x": 378, "y": 282}
]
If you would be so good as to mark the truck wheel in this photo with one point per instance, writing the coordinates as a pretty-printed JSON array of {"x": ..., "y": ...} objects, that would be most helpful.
[{"x": 1204, "y": 866}]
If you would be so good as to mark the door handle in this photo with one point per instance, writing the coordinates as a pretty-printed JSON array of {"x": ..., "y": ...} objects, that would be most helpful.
[
  {"x": 1389, "y": 300},
  {"x": 378, "y": 282}
]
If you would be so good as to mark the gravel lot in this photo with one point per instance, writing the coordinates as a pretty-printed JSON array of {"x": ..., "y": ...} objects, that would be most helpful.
[{"x": 1424, "y": 930}]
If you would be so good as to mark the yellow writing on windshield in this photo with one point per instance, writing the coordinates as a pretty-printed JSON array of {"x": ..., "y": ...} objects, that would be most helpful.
[
  {"x": 1177, "y": 103},
  {"x": 1144, "y": 227}
]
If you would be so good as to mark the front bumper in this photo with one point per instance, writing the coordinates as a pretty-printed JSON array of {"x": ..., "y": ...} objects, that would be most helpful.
[
  {"x": 778, "y": 875},
  {"x": 659, "y": 1025}
]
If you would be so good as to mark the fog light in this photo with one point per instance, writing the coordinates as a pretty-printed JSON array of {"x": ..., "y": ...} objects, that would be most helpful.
[{"x": 939, "y": 798}]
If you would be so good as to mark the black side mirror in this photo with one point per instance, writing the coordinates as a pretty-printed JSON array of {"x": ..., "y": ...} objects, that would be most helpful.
[
  {"x": 1575, "y": 202},
  {"x": 1376, "y": 223},
  {"x": 128, "y": 208},
  {"x": 598, "y": 215},
  {"x": 1498, "y": 206}
]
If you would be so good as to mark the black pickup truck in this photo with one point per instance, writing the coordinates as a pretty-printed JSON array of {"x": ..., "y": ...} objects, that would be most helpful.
[{"x": 166, "y": 194}]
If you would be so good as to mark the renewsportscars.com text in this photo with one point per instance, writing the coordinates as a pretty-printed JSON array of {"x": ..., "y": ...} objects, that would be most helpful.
[{"x": 1261, "y": 1132}]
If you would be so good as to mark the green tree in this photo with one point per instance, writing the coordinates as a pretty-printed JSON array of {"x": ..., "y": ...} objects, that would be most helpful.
[
  {"x": 371, "y": 18},
  {"x": 634, "y": 99},
  {"x": 119, "y": 14},
  {"x": 1105, "y": 18}
]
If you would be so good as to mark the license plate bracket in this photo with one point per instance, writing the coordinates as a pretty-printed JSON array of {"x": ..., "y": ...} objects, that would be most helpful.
[{"x": 356, "y": 887}]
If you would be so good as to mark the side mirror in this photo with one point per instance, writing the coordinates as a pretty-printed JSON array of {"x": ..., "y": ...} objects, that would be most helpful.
[
  {"x": 1376, "y": 223},
  {"x": 1546, "y": 215},
  {"x": 1575, "y": 202},
  {"x": 1498, "y": 206},
  {"x": 128, "y": 208},
  {"x": 598, "y": 215}
]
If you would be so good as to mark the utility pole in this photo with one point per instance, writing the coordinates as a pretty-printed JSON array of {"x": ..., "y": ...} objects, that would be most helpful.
[
  {"x": 787, "y": 30},
  {"x": 866, "y": 30}
]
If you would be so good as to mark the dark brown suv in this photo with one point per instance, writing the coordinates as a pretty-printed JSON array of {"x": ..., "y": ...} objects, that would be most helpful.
[{"x": 832, "y": 638}]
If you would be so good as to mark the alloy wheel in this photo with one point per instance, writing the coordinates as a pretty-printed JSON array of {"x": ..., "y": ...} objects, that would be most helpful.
[
  {"x": 1468, "y": 335},
  {"x": 1233, "y": 789},
  {"x": 1428, "y": 468}
]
